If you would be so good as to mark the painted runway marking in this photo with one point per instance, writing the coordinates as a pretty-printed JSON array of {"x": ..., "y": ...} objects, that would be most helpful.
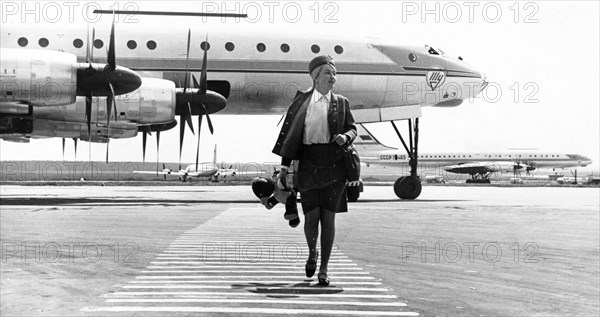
[{"x": 257, "y": 268}]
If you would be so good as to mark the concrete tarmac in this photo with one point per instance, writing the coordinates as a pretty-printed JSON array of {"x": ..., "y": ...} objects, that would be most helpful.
[{"x": 214, "y": 250}]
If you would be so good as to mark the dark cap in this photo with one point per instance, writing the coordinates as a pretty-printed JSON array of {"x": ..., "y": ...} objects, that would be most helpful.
[{"x": 318, "y": 61}]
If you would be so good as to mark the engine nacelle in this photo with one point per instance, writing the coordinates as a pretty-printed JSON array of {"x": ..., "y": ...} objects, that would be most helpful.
[
  {"x": 37, "y": 77},
  {"x": 152, "y": 103},
  {"x": 59, "y": 129}
]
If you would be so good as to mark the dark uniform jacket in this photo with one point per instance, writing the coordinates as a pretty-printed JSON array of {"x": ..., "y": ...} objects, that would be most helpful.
[{"x": 289, "y": 141}]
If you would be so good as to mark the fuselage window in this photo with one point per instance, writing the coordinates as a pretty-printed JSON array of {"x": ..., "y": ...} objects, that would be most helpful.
[
  {"x": 98, "y": 43},
  {"x": 77, "y": 43},
  {"x": 22, "y": 41},
  {"x": 315, "y": 48},
  {"x": 229, "y": 46},
  {"x": 261, "y": 47},
  {"x": 131, "y": 44},
  {"x": 338, "y": 49},
  {"x": 412, "y": 57},
  {"x": 205, "y": 46},
  {"x": 43, "y": 42},
  {"x": 285, "y": 48},
  {"x": 151, "y": 45}
]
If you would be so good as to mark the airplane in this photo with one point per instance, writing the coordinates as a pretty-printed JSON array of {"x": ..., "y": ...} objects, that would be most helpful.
[
  {"x": 209, "y": 170},
  {"x": 204, "y": 170},
  {"x": 480, "y": 166},
  {"x": 250, "y": 73}
]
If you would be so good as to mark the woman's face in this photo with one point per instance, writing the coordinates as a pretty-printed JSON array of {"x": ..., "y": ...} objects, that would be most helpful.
[{"x": 325, "y": 79}]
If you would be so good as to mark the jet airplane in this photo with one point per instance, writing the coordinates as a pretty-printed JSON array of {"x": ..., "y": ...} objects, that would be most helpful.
[{"x": 480, "y": 166}]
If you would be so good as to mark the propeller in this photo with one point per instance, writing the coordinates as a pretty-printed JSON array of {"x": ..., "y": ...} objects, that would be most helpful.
[
  {"x": 195, "y": 96},
  {"x": 187, "y": 111},
  {"x": 103, "y": 80}
]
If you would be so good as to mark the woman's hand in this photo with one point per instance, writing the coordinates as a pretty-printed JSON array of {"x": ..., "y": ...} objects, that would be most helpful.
[
  {"x": 340, "y": 139},
  {"x": 282, "y": 179}
]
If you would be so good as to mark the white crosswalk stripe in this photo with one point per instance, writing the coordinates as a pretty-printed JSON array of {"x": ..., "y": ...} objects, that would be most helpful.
[{"x": 249, "y": 262}]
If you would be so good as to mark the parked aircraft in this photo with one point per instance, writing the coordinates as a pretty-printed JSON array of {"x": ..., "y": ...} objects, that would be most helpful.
[
  {"x": 209, "y": 170},
  {"x": 251, "y": 73},
  {"x": 480, "y": 166}
]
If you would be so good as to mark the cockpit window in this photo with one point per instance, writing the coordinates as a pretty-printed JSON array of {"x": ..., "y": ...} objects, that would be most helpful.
[{"x": 433, "y": 51}]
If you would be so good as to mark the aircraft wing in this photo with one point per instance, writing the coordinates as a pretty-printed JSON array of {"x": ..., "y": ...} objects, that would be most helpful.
[
  {"x": 481, "y": 167},
  {"x": 198, "y": 174},
  {"x": 234, "y": 172}
]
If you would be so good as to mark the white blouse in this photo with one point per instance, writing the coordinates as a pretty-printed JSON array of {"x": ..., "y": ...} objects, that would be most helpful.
[{"x": 316, "y": 128}]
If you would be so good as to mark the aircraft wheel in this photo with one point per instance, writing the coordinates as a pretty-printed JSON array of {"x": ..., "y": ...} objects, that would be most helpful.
[
  {"x": 353, "y": 192},
  {"x": 407, "y": 187}
]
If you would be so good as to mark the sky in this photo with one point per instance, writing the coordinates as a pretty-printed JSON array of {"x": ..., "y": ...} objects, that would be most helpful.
[{"x": 542, "y": 59}]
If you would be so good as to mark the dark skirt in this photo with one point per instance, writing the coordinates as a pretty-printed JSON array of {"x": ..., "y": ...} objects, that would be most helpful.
[{"x": 322, "y": 178}]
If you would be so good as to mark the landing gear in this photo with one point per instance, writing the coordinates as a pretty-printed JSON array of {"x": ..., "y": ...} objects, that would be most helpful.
[
  {"x": 480, "y": 178},
  {"x": 409, "y": 187}
]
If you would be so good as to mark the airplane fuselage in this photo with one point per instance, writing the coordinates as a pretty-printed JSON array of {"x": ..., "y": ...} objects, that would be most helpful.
[
  {"x": 532, "y": 159},
  {"x": 260, "y": 73}
]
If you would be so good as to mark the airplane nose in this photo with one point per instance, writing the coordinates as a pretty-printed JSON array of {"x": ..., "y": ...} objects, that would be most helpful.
[{"x": 484, "y": 81}]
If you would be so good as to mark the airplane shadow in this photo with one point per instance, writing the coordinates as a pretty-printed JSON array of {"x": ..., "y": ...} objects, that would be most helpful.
[
  {"x": 79, "y": 201},
  {"x": 284, "y": 290},
  {"x": 409, "y": 201}
]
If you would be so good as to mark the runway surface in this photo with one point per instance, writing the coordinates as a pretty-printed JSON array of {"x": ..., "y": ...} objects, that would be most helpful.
[{"x": 214, "y": 250}]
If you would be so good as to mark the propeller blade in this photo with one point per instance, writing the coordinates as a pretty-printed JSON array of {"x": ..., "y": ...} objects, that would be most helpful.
[
  {"x": 196, "y": 84},
  {"x": 157, "y": 152},
  {"x": 188, "y": 117},
  {"x": 75, "y": 142},
  {"x": 88, "y": 46},
  {"x": 210, "y": 126},
  {"x": 198, "y": 145},
  {"x": 63, "y": 144},
  {"x": 181, "y": 135},
  {"x": 114, "y": 101},
  {"x": 111, "y": 59},
  {"x": 107, "y": 143},
  {"x": 144, "y": 138},
  {"x": 88, "y": 115},
  {"x": 110, "y": 102},
  {"x": 187, "y": 59},
  {"x": 203, "y": 83},
  {"x": 92, "y": 48}
]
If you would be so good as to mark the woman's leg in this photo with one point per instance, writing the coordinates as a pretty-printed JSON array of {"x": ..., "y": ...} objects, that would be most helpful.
[
  {"x": 311, "y": 231},
  {"x": 327, "y": 237}
]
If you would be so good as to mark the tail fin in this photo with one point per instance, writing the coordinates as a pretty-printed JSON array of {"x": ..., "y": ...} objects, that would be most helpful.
[
  {"x": 365, "y": 141},
  {"x": 215, "y": 155}
]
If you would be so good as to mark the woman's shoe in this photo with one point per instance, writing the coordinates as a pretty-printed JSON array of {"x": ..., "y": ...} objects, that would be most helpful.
[
  {"x": 311, "y": 266},
  {"x": 323, "y": 279}
]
